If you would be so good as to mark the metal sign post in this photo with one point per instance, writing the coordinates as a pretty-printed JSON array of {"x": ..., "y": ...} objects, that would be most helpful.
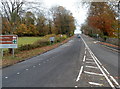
[
  {"x": 2, "y": 53},
  {"x": 13, "y": 52}
]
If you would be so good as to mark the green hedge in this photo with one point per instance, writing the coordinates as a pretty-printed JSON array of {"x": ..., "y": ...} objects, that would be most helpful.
[{"x": 42, "y": 42}]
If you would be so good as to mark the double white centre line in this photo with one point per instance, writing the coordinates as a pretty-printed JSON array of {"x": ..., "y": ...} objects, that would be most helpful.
[{"x": 97, "y": 61}]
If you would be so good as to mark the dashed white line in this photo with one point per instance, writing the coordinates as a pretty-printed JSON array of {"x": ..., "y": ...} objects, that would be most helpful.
[
  {"x": 34, "y": 66},
  {"x": 85, "y": 52},
  {"x": 38, "y": 64},
  {"x": 18, "y": 73},
  {"x": 84, "y": 58},
  {"x": 6, "y": 77},
  {"x": 92, "y": 67},
  {"x": 92, "y": 73},
  {"x": 79, "y": 74},
  {"x": 93, "y": 83},
  {"x": 26, "y": 69},
  {"x": 76, "y": 86}
]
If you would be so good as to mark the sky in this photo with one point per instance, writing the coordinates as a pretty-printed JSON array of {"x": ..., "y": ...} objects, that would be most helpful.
[
  {"x": 76, "y": 8},
  {"x": 78, "y": 11}
]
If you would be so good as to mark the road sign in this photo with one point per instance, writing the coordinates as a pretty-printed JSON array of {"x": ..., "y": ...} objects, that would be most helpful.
[{"x": 8, "y": 41}]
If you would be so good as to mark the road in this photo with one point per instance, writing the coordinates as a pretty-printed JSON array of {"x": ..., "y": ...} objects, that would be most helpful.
[{"x": 81, "y": 62}]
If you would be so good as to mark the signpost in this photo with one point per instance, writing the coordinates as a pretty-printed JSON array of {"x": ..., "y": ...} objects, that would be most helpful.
[
  {"x": 52, "y": 39},
  {"x": 8, "y": 41}
]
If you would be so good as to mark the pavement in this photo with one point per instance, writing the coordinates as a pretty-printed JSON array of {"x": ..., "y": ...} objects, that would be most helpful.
[{"x": 80, "y": 62}]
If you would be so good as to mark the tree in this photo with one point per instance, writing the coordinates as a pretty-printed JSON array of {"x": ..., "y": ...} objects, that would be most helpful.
[
  {"x": 63, "y": 20},
  {"x": 102, "y": 17},
  {"x": 12, "y": 11}
]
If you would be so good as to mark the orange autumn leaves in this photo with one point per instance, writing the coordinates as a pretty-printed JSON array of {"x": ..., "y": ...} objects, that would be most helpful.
[
  {"x": 103, "y": 23},
  {"x": 103, "y": 18}
]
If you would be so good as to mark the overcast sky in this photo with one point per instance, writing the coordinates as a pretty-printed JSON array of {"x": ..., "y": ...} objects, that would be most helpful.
[{"x": 79, "y": 12}]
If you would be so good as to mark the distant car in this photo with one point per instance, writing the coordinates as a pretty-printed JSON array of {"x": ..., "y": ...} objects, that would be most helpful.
[{"x": 78, "y": 36}]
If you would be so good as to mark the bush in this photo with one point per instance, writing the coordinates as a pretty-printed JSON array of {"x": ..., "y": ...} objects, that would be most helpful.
[
  {"x": 58, "y": 38},
  {"x": 39, "y": 43},
  {"x": 26, "y": 47},
  {"x": 42, "y": 42}
]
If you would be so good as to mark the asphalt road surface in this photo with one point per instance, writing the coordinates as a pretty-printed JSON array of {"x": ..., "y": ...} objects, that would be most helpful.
[{"x": 81, "y": 62}]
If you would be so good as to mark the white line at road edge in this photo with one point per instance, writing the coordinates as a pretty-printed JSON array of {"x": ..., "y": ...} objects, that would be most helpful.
[
  {"x": 79, "y": 74},
  {"x": 95, "y": 58}
]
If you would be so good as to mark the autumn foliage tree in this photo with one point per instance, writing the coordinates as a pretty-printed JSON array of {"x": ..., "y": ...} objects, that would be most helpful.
[{"x": 102, "y": 18}]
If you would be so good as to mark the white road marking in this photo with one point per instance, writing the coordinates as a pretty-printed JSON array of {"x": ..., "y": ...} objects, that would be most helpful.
[
  {"x": 34, "y": 66},
  {"x": 84, "y": 58},
  {"x": 105, "y": 70},
  {"x": 91, "y": 62},
  {"x": 26, "y": 69},
  {"x": 38, "y": 64},
  {"x": 89, "y": 59},
  {"x": 93, "y": 83},
  {"x": 115, "y": 81},
  {"x": 95, "y": 58},
  {"x": 92, "y": 73},
  {"x": 79, "y": 74},
  {"x": 85, "y": 52},
  {"x": 92, "y": 67},
  {"x": 76, "y": 86},
  {"x": 111, "y": 84},
  {"x": 6, "y": 77},
  {"x": 18, "y": 73}
]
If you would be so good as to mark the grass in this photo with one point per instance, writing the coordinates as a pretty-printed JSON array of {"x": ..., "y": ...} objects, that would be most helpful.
[{"x": 27, "y": 40}]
